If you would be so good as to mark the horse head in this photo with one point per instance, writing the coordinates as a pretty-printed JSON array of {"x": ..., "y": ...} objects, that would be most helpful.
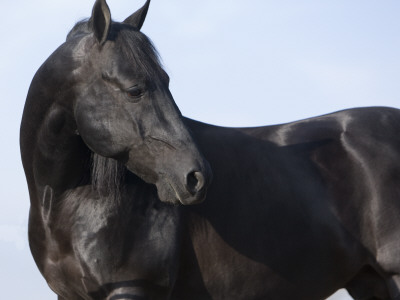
[{"x": 124, "y": 110}]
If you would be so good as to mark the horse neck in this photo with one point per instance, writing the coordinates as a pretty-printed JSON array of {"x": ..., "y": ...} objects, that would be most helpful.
[{"x": 52, "y": 153}]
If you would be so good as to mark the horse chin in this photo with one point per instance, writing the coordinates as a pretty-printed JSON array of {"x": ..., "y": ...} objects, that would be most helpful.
[{"x": 170, "y": 193}]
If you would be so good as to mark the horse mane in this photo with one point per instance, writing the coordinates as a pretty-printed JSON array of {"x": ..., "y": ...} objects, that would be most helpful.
[
  {"x": 82, "y": 27},
  {"x": 107, "y": 177}
]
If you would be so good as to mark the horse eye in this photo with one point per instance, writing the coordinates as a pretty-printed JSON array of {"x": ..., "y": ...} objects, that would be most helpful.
[{"x": 135, "y": 92}]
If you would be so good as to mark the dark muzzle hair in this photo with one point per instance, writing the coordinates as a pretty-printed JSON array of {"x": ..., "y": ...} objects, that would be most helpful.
[{"x": 107, "y": 177}]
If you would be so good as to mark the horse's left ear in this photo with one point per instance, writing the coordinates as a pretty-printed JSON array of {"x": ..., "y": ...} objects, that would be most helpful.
[
  {"x": 101, "y": 20},
  {"x": 137, "y": 18}
]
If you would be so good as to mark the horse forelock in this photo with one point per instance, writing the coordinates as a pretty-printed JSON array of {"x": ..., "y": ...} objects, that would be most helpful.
[
  {"x": 140, "y": 51},
  {"x": 135, "y": 47}
]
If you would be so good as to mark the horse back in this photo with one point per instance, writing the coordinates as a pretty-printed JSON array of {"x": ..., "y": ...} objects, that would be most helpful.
[{"x": 356, "y": 153}]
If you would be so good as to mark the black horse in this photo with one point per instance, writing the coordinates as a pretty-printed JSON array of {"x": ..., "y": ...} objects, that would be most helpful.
[{"x": 294, "y": 211}]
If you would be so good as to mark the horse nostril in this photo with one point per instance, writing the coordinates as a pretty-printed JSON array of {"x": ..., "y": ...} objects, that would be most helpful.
[{"x": 195, "y": 182}]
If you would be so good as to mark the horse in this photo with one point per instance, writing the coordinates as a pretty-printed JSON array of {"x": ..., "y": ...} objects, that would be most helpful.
[{"x": 131, "y": 200}]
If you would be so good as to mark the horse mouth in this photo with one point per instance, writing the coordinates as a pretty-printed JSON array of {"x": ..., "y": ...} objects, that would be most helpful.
[
  {"x": 178, "y": 197},
  {"x": 169, "y": 192}
]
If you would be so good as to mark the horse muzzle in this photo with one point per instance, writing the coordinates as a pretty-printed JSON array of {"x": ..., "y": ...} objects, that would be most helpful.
[{"x": 188, "y": 189}]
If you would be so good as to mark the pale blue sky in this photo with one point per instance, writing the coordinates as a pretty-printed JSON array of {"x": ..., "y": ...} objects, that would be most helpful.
[{"x": 231, "y": 62}]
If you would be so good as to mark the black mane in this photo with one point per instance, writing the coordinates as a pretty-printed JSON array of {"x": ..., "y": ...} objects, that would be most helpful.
[
  {"x": 107, "y": 176},
  {"x": 82, "y": 27}
]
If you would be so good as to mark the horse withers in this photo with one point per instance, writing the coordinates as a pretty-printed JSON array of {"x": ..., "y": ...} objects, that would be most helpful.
[{"x": 293, "y": 211}]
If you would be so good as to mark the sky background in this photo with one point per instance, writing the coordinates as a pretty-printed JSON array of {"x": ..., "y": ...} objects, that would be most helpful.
[{"x": 231, "y": 62}]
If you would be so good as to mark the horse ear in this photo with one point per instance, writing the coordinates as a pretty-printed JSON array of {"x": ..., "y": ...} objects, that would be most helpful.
[
  {"x": 137, "y": 18},
  {"x": 101, "y": 20}
]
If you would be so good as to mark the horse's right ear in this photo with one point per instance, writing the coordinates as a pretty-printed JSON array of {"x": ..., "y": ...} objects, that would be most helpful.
[{"x": 100, "y": 21}]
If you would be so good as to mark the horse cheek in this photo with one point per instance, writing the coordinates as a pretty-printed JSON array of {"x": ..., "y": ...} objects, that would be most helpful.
[{"x": 100, "y": 128}]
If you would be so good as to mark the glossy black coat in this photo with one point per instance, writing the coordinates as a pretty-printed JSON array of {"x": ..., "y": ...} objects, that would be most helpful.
[{"x": 293, "y": 211}]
